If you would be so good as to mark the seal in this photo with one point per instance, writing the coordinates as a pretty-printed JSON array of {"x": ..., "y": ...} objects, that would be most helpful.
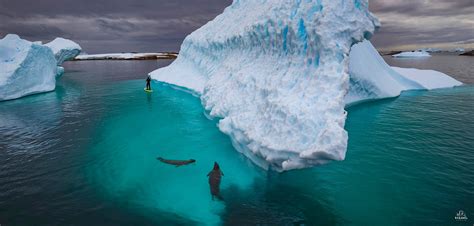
[
  {"x": 177, "y": 163},
  {"x": 215, "y": 181}
]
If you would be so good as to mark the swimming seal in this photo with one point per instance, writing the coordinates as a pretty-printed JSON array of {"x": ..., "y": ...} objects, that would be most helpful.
[
  {"x": 177, "y": 163},
  {"x": 215, "y": 181}
]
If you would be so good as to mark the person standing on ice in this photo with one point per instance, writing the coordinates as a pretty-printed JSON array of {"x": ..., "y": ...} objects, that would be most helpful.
[{"x": 148, "y": 80}]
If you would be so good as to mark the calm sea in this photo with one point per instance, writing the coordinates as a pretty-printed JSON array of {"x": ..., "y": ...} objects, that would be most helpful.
[{"x": 85, "y": 154}]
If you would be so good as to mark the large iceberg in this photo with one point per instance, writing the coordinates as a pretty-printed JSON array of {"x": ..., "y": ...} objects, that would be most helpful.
[
  {"x": 372, "y": 78},
  {"x": 26, "y": 68},
  {"x": 276, "y": 73},
  {"x": 278, "y": 77},
  {"x": 64, "y": 49}
]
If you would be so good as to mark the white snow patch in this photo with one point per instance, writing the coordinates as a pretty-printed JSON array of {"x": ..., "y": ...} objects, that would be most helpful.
[
  {"x": 371, "y": 77},
  {"x": 64, "y": 49},
  {"x": 125, "y": 56},
  {"x": 429, "y": 79},
  {"x": 415, "y": 54}
]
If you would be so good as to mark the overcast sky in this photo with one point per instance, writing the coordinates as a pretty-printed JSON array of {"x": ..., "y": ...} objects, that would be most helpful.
[{"x": 161, "y": 25}]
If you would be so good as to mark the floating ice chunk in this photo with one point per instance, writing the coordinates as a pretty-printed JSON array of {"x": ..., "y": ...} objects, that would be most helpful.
[
  {"x": 431, "y": 50},
  {"x": 459, "y": 49},
  {"x": 26, "y": 68},
  {"x": 414, "y": 54},
  {"x": 128, "y": 56}
]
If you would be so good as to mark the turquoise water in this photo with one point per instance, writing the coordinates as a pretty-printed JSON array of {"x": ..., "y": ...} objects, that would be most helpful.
[{"x": 86, "y": 155}]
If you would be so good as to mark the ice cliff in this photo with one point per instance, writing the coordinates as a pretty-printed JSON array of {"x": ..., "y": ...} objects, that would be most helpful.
[
  {"x": 26, "y": 68},
  {"x": 64, "y": 49},
  {"x": 276, "y": 73}
]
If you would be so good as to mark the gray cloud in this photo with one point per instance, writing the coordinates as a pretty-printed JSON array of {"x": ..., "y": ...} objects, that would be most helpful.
[
  {"x": 109, "y": 25},
  {"x": 423, "y": 23},
  {"x": 161, "y": 25}
]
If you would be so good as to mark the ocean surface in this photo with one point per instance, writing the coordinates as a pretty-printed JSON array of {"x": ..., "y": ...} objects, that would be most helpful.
[{"x": 85, "y": 154}]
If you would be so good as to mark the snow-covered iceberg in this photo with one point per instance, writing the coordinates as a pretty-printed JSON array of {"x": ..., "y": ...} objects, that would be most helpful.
[
  {"x": 459, "y": 49},
  {"x": 26, "y": 68},
  {"x": 64, "y": 49},
  {"x": 414, "y": 54},
  {"x": 372, "y": 78},
  {"x": 431, "y": 50},
  {"x": 275, "y": 72},
  {"x": 127, "y": 56}
]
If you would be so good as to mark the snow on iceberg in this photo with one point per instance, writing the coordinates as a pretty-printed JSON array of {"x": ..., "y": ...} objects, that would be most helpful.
[
  {"x": 64, "y": 49},
  {"x": 275, "y": 72},
  {"x": 428, "y": 79},
  {"x": 128, "y": 56},
  {"x": 26, "y": 68},
  {"x": 372, "y": 78},
  {"x": 414, "y": 54}
]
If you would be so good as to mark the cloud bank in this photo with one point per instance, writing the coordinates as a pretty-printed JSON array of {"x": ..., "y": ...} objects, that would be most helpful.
[{"x": 161, "y": 25}]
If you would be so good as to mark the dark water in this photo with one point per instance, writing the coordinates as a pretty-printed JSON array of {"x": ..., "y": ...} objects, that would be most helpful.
[{"x": 85, "y": 155}]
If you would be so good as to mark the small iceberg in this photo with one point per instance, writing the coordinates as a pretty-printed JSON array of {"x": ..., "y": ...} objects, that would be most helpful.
[
  {"x": 458, "y": 50},
  {"x": 26, "y": 68},
  {"x": 430, "y": 50},
  {"x": 128, "y": 56},
  {"x": 414, "y": 54}
]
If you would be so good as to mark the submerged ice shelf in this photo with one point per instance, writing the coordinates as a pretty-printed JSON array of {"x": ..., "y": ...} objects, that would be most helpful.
[{"x": 280, "y": 77}]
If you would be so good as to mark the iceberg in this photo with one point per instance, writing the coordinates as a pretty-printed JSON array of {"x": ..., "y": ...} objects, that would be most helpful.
[
  {"x": 276, "y": 74},
  {"x": 26, "y": 68},
  {"x": 459, "y": 49},
  {"x": 372, "y": 78},
  {"x": 127, "y": 56},
  {"x": 279, "y": 79},
  {"x": 431, "y": 50},
  {"x": 415, "y": 54},
  {"x": 64, "y": 49}
]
